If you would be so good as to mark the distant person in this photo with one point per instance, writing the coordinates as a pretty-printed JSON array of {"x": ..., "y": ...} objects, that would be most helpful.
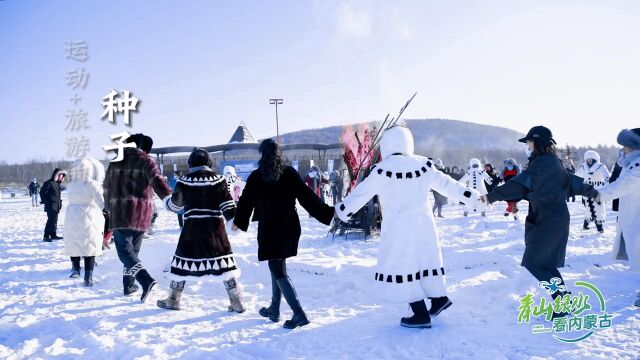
[
  {"x": 235, "y": 184},
  {"x": 173, "y": 182},
  {"x": 475, "y": 179},
  {"x": 314, "y": 180},
  {"x": 495, "y": 178},
  {"x": 439, "y": 200},
  {"x": 84, "y": 220},
  {"x": 571, "y": 169},
  {"x": 594, "y": 173},
  {"x": 129, "y": 186},
  {"x": 51, "y": 197},
  {"x": 34, "y": 191},
  {"x": 509, "y": 171},
  {"x": 335, "y": 182}
]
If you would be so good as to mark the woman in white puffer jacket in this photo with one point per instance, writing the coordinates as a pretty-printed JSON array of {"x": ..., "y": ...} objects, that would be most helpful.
[{"x": 84, "y": 221}]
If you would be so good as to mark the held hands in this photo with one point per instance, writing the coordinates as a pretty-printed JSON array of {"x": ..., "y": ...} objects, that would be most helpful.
[
  {"x": 106, "y": 239},
  {"x": 232, "y": 229}
]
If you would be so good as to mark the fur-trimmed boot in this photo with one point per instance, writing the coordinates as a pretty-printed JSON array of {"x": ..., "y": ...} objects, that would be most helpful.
[
  {"x": 235, "y": 295},
  {"x": 172, "y": 302}
]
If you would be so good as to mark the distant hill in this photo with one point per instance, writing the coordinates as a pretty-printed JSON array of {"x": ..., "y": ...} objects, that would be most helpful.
[
  {"x": 428, "y": 133},
  {"x": 453, "y": 140}
]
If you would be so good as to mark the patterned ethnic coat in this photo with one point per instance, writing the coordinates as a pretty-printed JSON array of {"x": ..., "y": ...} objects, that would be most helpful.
[{"x": 203, "y": 248}]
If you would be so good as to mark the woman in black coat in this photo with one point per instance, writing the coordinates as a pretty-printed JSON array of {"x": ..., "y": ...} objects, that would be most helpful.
[
  {"x": 272, "y": 191},
  {"x": 546, "y": 185}
]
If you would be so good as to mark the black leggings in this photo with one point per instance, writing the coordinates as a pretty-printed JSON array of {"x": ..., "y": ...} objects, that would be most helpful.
[{"x": 278, "y": 268}]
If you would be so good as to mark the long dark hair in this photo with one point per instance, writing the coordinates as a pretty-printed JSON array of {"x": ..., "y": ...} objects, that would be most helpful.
[
  {"x": 270, "y": 164},
  {"x": 544, "y": 149}
]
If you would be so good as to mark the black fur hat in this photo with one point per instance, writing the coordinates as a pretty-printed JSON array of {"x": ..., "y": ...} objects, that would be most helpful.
[{"x": 200, "y": 157}]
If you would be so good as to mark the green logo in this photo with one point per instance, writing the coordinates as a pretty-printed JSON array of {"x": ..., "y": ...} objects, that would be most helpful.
[{"x": 572, "y": 318}]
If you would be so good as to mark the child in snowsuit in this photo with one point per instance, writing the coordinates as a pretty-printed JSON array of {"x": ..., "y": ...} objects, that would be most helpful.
[
  {"x": 509, "y": 171},
  {"x": 474, "y": 179},
  {"x": 594, "y": 173},
  {"x": 203, "y": 249}
]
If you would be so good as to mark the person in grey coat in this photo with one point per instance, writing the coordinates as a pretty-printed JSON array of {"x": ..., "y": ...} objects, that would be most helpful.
[{"x": 546, "y": 184}]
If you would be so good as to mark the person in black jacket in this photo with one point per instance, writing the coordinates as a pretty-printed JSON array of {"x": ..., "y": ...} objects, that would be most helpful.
[
  {"x": 34, "y": 190},
  {"x": 52, "y": 200},
  {"x": 488, "y": 168},
  {"x": 272, "y": 191},
  {"x": 546, "y": 185}
]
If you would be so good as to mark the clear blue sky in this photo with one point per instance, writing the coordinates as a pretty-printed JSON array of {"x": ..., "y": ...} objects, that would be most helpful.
[{"x": 201, "y": 67}]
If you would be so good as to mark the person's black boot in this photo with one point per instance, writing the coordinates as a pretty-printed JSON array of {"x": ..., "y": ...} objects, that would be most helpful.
[
  {"x": 75, "y": 267},
  {"x": 599, "y": 227},
  {"x": 46, "y": 238},
  {"x": 273, "y": 311},
  {"x": 129, "y": 284},
  {"x": 289, "y": 292},
  {"x": 89, "y": 263},
  {"x": 56, "y": 237},
  {"x": 585, "y": 226},
  {"x": 420, "y": 318},
  {"x": 562, "y": 314},
  {"x": 438, "y": 305},
  {"x": 145, "y": 280}
]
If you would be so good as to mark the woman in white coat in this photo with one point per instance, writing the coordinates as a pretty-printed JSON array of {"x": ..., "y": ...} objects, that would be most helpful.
[
  {"x": 594, "y": 173},
  {"x": 475, "y": 179},
  {"x": 627, "y": 189},
  {"x": 84, "y": 221},
  {"x": 410, "y": 266}
]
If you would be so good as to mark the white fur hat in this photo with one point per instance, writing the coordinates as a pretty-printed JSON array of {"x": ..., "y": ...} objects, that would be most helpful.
[{"x": 590, "y": 154}]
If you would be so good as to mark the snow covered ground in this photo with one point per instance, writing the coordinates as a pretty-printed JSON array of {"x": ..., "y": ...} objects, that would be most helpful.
[{"x": 45, "y": 314}]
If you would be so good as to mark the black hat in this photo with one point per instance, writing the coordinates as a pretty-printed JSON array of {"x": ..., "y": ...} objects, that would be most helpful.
[
  {"x": 539, "y": 134},
  {"x": 200, "y": 157}
]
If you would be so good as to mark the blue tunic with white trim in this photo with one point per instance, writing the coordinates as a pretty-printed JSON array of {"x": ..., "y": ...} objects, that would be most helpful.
[{"x": 203, "y": 247}]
